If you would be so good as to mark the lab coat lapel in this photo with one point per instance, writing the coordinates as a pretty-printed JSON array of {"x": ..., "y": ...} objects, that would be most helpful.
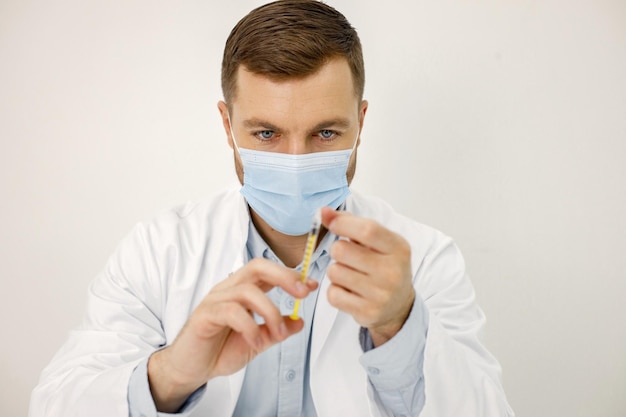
[
  {"x": 235, "y": 380},
  {"x": 325, "y": 316},
  {"x": 223, "y": 392},
  {"x": 238, "y": 238}
]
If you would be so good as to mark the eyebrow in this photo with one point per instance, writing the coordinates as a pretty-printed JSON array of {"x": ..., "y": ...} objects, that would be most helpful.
[
  {"x": 337, "y": 123},
  {"x": 256, "y": 123},
  {"x": 259, "y": 123}
]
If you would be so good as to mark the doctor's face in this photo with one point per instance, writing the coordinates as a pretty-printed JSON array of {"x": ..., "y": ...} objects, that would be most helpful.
[{"x": 318, "y": 113}]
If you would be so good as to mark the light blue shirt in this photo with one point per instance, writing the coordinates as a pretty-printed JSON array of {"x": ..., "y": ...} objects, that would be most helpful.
[
  {"x": 287, "y": 363},
  {"x": 276, "y": 382}
]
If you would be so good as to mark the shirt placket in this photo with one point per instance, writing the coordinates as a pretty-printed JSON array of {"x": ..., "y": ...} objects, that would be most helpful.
[{"x": 293, "y": 352}]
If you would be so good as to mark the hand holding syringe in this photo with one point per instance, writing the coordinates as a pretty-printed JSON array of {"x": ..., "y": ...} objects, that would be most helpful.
[{"x": 308, "y": 252}]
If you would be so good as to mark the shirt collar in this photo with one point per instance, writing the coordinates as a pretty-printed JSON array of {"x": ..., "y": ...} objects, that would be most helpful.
[{"x": 258, "y": 248}]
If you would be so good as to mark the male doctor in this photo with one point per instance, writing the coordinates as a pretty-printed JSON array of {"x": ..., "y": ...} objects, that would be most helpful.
[{"x": 191, "y": 314}]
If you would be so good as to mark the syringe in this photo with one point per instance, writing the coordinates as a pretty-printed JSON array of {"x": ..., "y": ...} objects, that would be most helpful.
[{"x": 308, "y": 252}]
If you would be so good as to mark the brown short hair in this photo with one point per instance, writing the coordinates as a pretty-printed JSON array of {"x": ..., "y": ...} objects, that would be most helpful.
[{"x": 290, "y": 39}]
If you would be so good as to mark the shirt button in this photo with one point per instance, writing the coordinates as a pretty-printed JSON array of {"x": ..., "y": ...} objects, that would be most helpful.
[
  {"x": 373, "y": 371},
  {"x": 290, "y": 375}
]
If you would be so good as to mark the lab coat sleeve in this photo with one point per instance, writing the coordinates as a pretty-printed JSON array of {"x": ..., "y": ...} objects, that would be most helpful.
[
  {"x": 89, "y": 375},
  {"x": 141, "y": 403},
  {"x": 461, "y": 376}
]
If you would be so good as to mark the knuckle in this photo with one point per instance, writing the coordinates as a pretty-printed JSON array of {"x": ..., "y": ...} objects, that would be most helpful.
[
  {"x": 333, "y": 295},
  {"x": 393, "y": 272},
  {"x": 396, "y": 271},
  {"x": 332, "y": 270},
  {"x": 230, "y": 309},
  {"x": 242, "y": 294},
  {"x": 369, "y": 230},
  {"x": 273, "y": 316},
  {"x": 380, "y": 297},
  {"x": 246, "y": 290},
  {"x": 404, "y": 248},
  {"x": 255, "y": 265},
  {"x": 338, "y": 274},
  {"x": 337, "y": 249}
]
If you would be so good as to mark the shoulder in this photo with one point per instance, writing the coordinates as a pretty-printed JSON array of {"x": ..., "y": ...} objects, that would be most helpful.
[
  {"x": 179, "y": 240},
  {"x": 220, "y": 206},
  {"x": 192, "y": 224},
  {"x": 197, "y": 210}
]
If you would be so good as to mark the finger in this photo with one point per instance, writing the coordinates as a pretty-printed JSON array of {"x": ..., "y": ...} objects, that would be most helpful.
[
  {"x": 256, "y": 301},
  {"x": 328, "y": 215},
  {"x": 267, "y": 275},
  {"x": 354, "y": 255},
  {"x": 266, "y": 340},
  {"x": 252, "y": 298},
  {"x": 348, "y": 302},
  {"x": 293, "y": 326},
  {"x": 364, "y": 231},
  {"x": 235, "y": 316},
  {"x": 351, "y": 280}
]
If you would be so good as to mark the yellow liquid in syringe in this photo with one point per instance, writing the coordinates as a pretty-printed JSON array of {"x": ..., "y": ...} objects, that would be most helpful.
[{"x": 308, "y": 252}]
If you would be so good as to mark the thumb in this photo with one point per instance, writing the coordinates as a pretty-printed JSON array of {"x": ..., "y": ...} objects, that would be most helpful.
[{"x": 328, "y": 215}]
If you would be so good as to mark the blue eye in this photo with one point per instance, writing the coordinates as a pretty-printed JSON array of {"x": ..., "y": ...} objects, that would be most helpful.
[
  {"x": 265, "y": 134},
  {"x": 327, "y": 134}
]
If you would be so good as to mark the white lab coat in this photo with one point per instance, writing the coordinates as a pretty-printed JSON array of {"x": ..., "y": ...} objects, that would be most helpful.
[{"x": 162, "y": 270}]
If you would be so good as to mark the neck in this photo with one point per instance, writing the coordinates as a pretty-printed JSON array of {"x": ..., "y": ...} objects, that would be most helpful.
[{"x": 289, "y": 249}]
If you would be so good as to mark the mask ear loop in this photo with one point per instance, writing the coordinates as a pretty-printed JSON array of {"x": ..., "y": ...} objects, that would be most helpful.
[
  {"x": 356, "y": 140},
  {"x": 232, "y": 134}
]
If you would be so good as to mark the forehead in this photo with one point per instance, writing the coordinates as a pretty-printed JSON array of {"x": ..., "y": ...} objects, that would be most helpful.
[{"x": 327, "y": 93}]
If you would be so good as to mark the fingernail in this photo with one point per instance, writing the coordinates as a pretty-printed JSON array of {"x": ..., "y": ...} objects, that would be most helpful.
[
  {"x": 283, "y": 330},
  {"x": 301, "y": 286}
]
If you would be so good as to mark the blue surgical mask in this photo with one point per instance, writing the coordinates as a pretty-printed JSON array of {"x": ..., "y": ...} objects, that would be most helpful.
[{"x": 286, "y": 190}]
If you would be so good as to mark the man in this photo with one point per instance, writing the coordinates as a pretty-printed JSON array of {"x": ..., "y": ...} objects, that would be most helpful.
[{"x": 191, "y": 314}]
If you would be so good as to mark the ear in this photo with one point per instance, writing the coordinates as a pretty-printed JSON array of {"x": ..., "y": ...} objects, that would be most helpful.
[
  {"x": 362, "y": 111},
  {"x": 223, "y": 108}
]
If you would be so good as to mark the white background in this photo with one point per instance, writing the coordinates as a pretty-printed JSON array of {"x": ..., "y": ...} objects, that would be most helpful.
[{"x": 502, "y": 123}]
